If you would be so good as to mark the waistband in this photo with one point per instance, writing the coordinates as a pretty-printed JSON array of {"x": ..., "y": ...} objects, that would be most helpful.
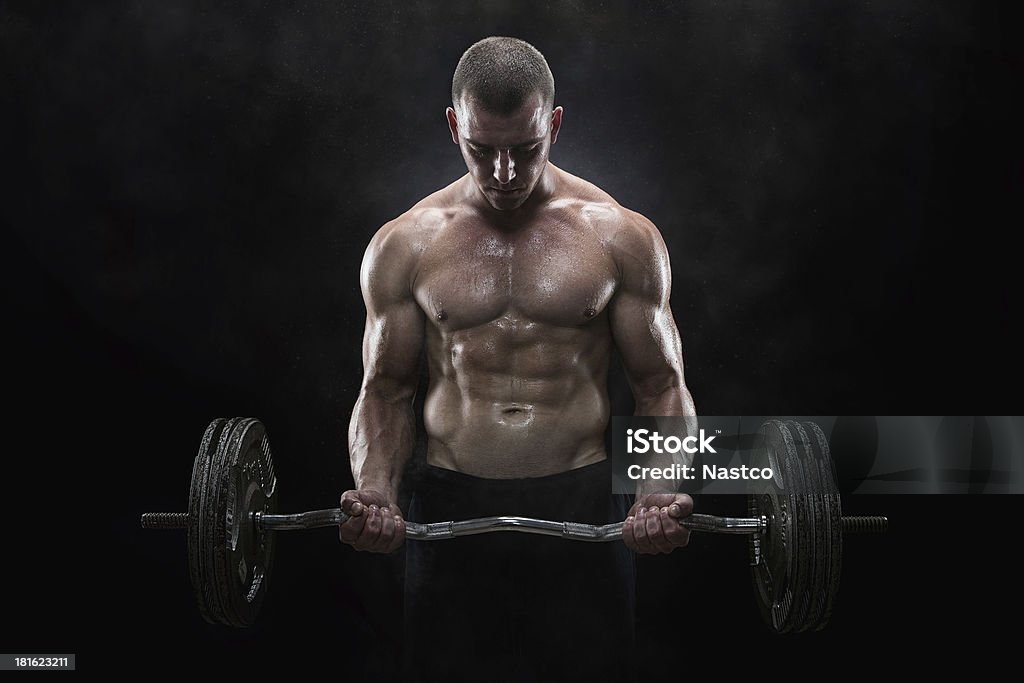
[{"x": 598, "y": 473}]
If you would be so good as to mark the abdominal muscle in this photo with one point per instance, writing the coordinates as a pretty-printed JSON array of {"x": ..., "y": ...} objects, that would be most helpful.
[{"x": 500, "y": 408}]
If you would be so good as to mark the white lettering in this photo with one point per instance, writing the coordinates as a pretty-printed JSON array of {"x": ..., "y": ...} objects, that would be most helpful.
[
  {"x": 637, "y": 441},
  {"x": 744, "y": 472},
  {"x": 672, "y": 472}
]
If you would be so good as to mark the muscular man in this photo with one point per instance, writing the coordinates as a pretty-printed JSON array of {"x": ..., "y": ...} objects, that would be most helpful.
[{"x": 518, "y": 278}]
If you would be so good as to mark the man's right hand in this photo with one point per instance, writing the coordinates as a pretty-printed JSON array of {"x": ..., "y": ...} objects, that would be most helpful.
[{"x": 374, "y": 523}]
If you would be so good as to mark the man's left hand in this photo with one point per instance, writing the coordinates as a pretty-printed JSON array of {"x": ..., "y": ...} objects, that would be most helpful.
[{"x": 652, "y": 525}]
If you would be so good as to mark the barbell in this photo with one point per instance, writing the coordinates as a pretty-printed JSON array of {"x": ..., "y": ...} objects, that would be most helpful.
[{"x": 795, "y": 524}]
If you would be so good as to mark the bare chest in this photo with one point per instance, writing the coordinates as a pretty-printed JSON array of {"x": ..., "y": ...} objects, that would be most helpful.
[{"x": 554, "y": 274}]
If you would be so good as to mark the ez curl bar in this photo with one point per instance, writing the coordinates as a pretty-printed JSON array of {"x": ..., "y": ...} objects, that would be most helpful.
[{"x": 794, "y": 529}]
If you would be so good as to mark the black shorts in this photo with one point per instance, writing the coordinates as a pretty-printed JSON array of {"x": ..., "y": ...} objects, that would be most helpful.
[{"x": 512, "y": 606}]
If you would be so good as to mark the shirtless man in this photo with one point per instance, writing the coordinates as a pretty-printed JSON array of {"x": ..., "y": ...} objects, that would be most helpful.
[{"x": 519, "y": 278}]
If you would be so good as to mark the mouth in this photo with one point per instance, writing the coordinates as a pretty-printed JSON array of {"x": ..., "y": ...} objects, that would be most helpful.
[{"x": 512, "y": 191}]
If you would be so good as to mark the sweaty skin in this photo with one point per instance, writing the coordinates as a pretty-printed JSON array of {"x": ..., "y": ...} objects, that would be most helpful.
[{"x": 518, "y": 299}]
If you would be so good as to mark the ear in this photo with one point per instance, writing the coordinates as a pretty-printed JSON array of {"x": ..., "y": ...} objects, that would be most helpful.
[
  {"x": 453, "y": 124},
  {"x": 556, "y": 123}
]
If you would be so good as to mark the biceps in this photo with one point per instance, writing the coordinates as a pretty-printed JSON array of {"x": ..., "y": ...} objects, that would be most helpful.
[
  {"x": 392, "y": 342},
  {"x": 647, "y": 339}
]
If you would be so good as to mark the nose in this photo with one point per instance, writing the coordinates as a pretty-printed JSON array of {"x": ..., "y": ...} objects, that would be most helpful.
[{"x": 504, "y": 167}]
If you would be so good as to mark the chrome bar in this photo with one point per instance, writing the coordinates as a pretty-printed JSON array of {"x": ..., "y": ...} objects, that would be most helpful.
[{"x": 435, "y": 531}]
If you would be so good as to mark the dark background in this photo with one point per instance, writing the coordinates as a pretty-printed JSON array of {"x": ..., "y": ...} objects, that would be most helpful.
[{"x": 188, "y": 188}]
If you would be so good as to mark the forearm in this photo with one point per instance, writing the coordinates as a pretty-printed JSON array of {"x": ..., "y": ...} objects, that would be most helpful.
[
  {"x": 381, "y": 439},
  {"x": 665, "y": 399},
  {"x": 673, "y": 400}
]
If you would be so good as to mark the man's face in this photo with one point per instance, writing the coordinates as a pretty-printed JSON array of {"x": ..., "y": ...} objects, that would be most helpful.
[{"x": 505, "y": 155}]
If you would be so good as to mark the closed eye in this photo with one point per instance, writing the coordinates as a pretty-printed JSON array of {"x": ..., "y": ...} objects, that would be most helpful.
[{"x": 481, "y": 151}]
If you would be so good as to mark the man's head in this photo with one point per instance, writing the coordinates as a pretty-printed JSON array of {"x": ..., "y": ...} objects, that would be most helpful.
[{"x": 502, "y": 119}]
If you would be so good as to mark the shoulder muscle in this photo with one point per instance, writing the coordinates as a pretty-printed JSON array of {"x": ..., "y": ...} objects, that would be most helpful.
[
  {"x": 641, "y": 255},
  {"x": 392, "y": 258}
]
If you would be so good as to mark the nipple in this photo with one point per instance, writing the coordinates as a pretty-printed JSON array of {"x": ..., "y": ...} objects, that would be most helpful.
[
  {"x": 441, "y": 316},
  {"x": 590, "y": 312}
]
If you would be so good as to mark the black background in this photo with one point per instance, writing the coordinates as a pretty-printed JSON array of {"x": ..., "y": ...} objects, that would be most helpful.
[{"x": 188, "y": 190}]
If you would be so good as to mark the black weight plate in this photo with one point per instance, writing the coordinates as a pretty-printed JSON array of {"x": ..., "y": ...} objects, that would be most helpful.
[
  {"x": 244, "y": 556},
  {"x": 196, "y": 551},
  {"x": 777, "y": 566},
  {"x": 260, "y": 579},
  {"x": 783, "y": 620},
  {"x": 818, "y": 560},
  {"x": 199, "y": 469},
  {"x": 212, "y": 528},
  {"x": 803, "y": 524},
  {"x": 835, "y": 516},
  {"x": 770, "y": 551}
]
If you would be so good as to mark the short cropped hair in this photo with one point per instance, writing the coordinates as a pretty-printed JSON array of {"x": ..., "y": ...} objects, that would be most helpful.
[{"x": 501, "y": 73}]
